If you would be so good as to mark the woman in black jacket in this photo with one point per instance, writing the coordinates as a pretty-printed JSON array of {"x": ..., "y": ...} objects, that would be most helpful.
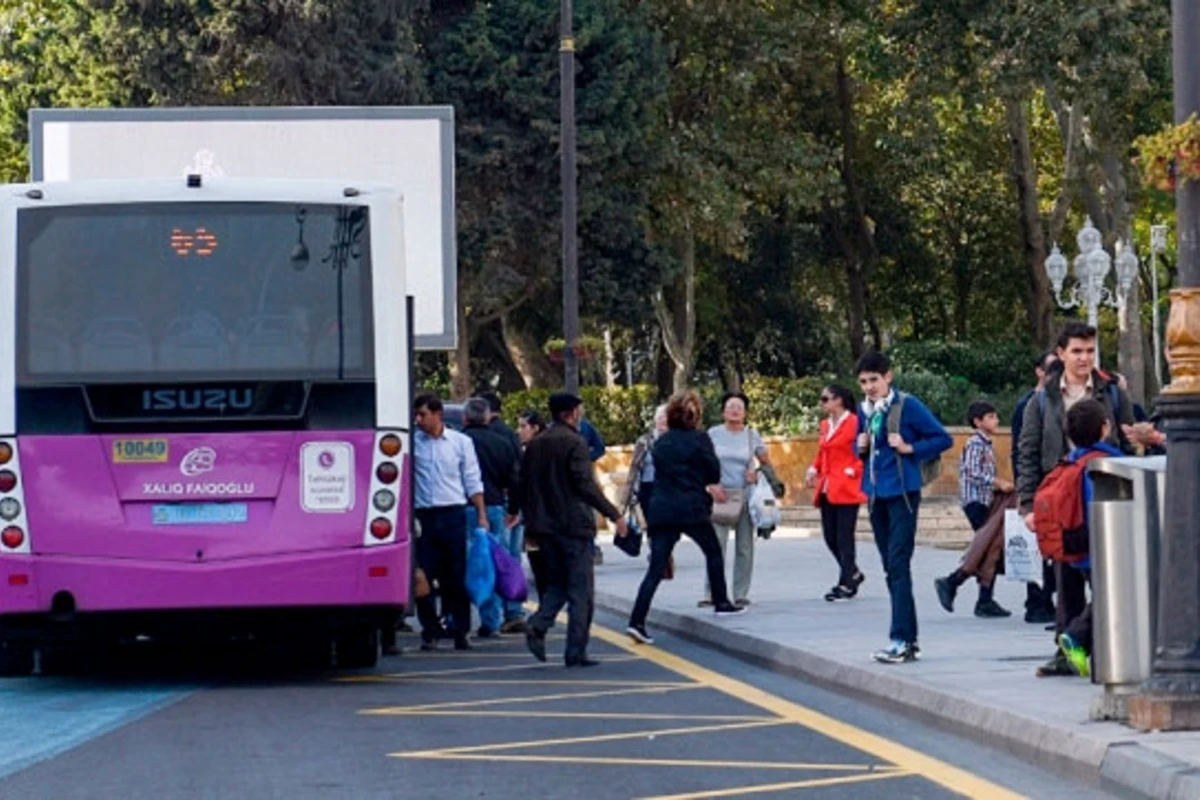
[{"x": 685, "y": 468}]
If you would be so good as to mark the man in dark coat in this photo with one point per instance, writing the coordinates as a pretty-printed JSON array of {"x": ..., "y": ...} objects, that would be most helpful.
[{"x": 556, "y": 495}]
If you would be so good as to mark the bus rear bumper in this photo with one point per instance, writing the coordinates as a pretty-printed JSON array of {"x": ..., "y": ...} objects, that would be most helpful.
[{"x": 65, "y": 586}]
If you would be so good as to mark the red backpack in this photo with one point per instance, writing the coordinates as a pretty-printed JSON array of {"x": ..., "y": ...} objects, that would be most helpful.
[{"x": 1059, "y": 519}]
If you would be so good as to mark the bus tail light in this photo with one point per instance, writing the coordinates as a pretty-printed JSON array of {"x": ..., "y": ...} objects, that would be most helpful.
[
  {"x": 14, "y": 538},
  {"x": 383, "y": 512}
]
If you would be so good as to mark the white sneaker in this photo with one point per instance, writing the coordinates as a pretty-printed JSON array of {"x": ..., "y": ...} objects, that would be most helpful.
[{"x": 639, "y": 635}]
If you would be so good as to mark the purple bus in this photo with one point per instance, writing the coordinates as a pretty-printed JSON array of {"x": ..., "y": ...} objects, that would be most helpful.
[{"x": 204, "y": 415}]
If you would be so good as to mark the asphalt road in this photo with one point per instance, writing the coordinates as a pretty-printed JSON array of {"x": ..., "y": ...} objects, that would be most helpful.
[{"x": 673, "y": 720}]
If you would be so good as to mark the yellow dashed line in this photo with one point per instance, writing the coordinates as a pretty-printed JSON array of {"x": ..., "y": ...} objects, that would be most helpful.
[
  {"x": 601, "y": 715},
  {"x": 643, "y": 762},
  {"x": 499, "y": 701}
]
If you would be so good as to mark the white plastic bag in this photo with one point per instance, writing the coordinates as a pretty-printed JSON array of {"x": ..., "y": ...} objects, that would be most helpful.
[
  {"x": 1022, "y": 558},
  {"x": 764, "y": 510}
]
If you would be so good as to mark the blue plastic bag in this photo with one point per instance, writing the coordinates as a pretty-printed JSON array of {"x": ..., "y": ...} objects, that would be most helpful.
[
  {"x": 510, "y": 575},
  {"x": 481, "y": 570}
]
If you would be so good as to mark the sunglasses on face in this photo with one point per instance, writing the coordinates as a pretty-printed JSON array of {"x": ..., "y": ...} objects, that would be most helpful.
[{"x": 825, "y": 398}]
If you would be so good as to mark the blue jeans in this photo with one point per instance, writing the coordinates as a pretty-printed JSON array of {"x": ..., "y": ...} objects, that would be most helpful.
[
  {"x": 490, "y": 613},
  {"x": 894, "y": 521}
]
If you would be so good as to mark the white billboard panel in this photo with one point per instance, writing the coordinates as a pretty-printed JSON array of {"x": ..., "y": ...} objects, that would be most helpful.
[{"x": 411, "y": 148}]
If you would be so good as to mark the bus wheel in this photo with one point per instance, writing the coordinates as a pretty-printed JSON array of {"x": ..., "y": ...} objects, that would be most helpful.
[
  {"x": 357, "y": 648},
  {"x": 16, "y": 660}
]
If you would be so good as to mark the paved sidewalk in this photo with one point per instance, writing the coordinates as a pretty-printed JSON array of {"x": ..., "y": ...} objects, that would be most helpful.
[{"x": 976, "y": 675}]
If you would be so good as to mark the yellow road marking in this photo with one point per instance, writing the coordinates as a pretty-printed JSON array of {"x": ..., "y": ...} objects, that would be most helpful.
[
  {"x": 603, "y": 737},
  {"x": 947, "y": 775},
  {"x": 643, "y": 762},
  {"x": 783, "y": 787},
  {"x": 498, "y": 701},
  {"x": 541, "y": 682},
  {"x": 532, "y": 666},
  {"x": 399, "y": 712}
]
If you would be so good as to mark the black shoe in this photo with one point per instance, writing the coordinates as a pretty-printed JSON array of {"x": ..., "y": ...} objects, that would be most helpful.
[
  {"x": 991, "y": 610},
  {"x": 536, "y": 642},
  {"x": 1056, "y": 667},
  {"x": 1039, "y": 616},
  {"x": 946, "y": 592},
  {"x": 638, "y": 634},
  {"x": 428, "y": 646},
  {"x": 582, "y": 661},
  {"x": 728, "y": 609},
  {"x": 461, "y": 643},
  {"x": 404, "y": 627},
  {"x": 485, "y": 632},
  {"x": 840, "y": 592},
  {"x": 859, "y": 579},
  {"x": 514, "y": 626}
]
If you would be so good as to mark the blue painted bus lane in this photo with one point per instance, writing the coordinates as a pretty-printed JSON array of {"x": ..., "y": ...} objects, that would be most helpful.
[{"x": 41, "y": 718}]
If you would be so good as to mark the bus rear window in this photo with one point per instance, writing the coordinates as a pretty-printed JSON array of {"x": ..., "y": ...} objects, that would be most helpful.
[{"x": 193, "y": 291}]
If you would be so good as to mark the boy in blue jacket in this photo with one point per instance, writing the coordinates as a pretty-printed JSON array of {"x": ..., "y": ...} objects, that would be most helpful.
[
  {"x": 1087, "y": 429},
  {"x": 893, "y": 451}
]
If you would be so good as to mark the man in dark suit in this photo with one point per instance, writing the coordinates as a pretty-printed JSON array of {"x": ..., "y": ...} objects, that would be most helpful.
[{"x": 555, "y": 495}]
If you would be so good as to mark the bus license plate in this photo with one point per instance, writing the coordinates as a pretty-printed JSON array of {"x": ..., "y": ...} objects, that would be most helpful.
[
  {"x": 140, "y": 451},
  {"x": 200, "y": 514}
]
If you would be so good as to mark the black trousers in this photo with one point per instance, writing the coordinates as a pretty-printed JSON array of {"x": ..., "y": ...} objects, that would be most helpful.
[
  {"x": 569, "y": 582},
  {"x": 662, "y": 542},
  {"x": 1072, "y": 596},
  {"x": 838, "y": 523},
  {"x": 442, "y": 555}
]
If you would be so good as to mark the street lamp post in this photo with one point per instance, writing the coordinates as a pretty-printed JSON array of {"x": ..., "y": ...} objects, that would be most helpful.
[
  {"x": 570, "y": 251},
  {"x": 1092, "y": 266},
  {"x": 1170, "y": 699},
  {"x": 1158, "y": 244}
]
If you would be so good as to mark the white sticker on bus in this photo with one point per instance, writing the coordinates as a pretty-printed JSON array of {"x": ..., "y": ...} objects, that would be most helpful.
[{"x": 327, "y": 477}]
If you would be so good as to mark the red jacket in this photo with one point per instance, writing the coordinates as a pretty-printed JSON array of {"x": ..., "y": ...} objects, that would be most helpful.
[{"x": 838, "y": 467}]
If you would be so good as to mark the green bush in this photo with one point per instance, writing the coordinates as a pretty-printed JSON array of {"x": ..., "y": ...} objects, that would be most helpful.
[
  {"x": 621, "y": 415},
  {"x": 992, "y": 367},
  {"x": 949, "y": 397}
]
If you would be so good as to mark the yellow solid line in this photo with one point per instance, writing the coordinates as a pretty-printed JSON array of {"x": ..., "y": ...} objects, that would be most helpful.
[
  {"x": 951, "y": 777},
  {"x": 603, "y": 737},
  {"x": 497, "y": 701},
  {"x": 600, "y": 715},
  {"x": 783, "y": 787},
  {"x": 643, "y": 762}
]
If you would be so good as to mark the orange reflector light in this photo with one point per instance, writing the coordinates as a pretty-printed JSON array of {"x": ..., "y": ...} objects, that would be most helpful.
[
  {"x": 390, "y": 445},
  {"x": 377, "y": 572},
  {"x": 5, "y": 452},
  {"x": 12, "y": 537},
  {"x": 381, "y": 528},
  {"x": 18, "y": 580}
]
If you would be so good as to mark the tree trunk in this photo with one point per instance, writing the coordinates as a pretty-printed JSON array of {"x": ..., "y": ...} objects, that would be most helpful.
[
  {"x": 610, "y": 360},
  {"x": 460, "y": 364},
  {"x": 678, "y": 324},
  {"x": 1038, "y": 299},
  {"x": 535, "y": 366}
]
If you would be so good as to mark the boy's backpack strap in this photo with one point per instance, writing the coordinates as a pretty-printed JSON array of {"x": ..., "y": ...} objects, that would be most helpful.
[{"x": 895, "y": 411}]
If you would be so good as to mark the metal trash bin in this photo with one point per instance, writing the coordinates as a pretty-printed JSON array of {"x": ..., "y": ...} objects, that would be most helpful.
[{"x": 1126, "y": 519}]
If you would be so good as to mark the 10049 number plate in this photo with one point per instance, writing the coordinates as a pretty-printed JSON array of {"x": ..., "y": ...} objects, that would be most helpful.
[
  {"x": 140, "y": 451},
  {"x": 199, "y": 513}
]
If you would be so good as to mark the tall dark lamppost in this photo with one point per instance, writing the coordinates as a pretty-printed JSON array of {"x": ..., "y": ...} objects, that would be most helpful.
[
  {"x": 570, "y": 250},
  {"x": 1170, "y": 699}
]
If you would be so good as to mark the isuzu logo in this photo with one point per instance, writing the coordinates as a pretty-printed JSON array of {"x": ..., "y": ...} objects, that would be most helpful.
[{"x": 185, "y": 399}]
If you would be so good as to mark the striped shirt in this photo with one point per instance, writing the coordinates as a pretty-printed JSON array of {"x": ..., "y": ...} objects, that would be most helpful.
[{"x": 977, "y": 471}]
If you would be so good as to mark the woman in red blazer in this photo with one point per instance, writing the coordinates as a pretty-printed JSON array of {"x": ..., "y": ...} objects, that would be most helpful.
[{"x": 836, "y": 478}]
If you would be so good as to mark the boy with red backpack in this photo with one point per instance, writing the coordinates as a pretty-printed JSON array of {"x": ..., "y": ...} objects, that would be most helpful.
[{"x": 1060, "y": 516}]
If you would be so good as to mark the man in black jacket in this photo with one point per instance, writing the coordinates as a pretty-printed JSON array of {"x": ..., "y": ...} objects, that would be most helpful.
[
  {"x": 556, "y": 493},
  {"x": 1039, "y": 601}
]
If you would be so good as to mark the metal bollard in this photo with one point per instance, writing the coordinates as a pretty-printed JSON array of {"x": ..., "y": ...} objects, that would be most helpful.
[{"x": 1125, "y": 520}]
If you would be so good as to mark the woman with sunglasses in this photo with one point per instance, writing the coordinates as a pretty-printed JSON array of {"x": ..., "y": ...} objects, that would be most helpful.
[{"x": 836, "y": 480}]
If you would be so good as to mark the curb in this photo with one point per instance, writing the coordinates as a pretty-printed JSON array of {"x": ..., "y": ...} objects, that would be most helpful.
[{"x": 1131, "y": 766}]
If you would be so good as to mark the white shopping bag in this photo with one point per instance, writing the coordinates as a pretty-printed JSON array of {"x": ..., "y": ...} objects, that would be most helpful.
[
  {"x": 1022, "y": 558},
  {"x": 764, "y": 509}
]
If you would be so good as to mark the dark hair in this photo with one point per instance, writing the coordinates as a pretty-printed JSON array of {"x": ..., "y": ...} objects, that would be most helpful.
[
  {"x": 493, "y": 400},
  {"x": 725, "y": 398},
  {"x": 873, "y": 362},
  {"x": 1085, "y": 422},
  {"x": 685, "y": 411},
  {"x": 843, "y": 394},
  {"x": 1075, "y": 329},
  {"x": 533, "y": 419},
  {"x": 429, "y": 401},
  {"x": 978, "y": 410},
  {"x": 1046, "y": 356}
]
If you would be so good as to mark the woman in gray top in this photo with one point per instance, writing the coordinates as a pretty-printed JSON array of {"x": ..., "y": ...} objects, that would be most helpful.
[{"x": 738, "y": 447}]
